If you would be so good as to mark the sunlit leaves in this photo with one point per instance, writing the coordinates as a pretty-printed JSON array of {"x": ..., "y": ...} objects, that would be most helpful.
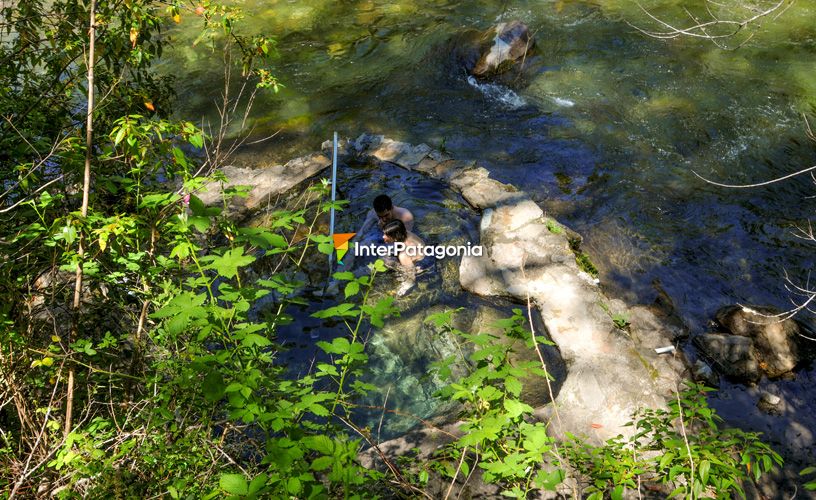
[
  {"x": 228, "y": 263},
  {"x": 235, "y": 484}
]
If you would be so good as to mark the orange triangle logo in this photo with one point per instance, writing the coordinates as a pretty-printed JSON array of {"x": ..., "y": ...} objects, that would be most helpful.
[{"x": 341, "y": 239}]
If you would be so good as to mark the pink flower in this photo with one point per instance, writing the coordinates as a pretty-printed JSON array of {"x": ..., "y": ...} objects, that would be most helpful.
[{"x": 186, "y": 200}]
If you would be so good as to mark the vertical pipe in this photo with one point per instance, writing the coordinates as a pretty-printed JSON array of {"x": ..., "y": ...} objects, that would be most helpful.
[{"x": 333, "y": 197}]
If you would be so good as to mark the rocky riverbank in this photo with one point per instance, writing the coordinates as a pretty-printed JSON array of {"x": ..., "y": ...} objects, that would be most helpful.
[{"x": 605, "y": 348}]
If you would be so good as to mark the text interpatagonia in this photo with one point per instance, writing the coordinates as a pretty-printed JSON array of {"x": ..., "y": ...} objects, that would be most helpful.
[{"x": 438, "y": 251}]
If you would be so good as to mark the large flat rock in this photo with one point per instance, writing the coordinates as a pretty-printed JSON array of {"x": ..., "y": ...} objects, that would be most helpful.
[{"x": 263, "y": 183}]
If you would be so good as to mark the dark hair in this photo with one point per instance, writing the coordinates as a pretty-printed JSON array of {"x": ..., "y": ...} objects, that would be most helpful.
[
  {"x": 396, "y": 230},
  {"x": 382, "y": 202}
]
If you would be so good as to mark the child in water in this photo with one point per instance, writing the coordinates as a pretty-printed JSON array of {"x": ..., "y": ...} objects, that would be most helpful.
[
  {"x": 409, "y": 261},
  {"x": 383, "y": 212}
]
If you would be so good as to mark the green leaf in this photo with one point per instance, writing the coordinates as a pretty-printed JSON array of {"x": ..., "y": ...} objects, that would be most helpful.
[
  {"x": 178, "y": 156},
  {"x": 515, "y": 408},
  {"x": 339, "y": 345},
  {"x": 666, "y": 459},
  {"x": 156, "y": 200},
  {"x": 213, "y": 386},
  {"x": 227, "y": 265},
  {"x": 253, "y": 339},
  {"x": 120, "y": 134},
  {"x": 197, "y": 140},
  {"x": 489, "y": 393},
  {"x": 513, "y": 386},
  {"x": 342, "y": 310},
  {"x": 293, "y": 486},
  {"x": 234, "y": 483},
  {"x": 322, "y": 463},
  {"x": 352, "y": 288},
  {"x": 549, "y": 480},
  {"x": 705, "y": 465},
  {"x": 257, "y": 483},
  {"x": 321, "y": 444}
]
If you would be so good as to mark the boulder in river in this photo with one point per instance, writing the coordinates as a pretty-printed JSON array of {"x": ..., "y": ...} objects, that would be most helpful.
[
  {"x": 755, "y": 341},
  {"x": 732, "y": 355},
  {"x": 779, "y": 342},
  {"x": 511, "y": 43}
]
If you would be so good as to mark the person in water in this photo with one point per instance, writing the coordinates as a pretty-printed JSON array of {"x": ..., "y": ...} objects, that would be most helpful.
[
  {"x": 385, "y": 211},
  {"x": 409, "y": 261}
]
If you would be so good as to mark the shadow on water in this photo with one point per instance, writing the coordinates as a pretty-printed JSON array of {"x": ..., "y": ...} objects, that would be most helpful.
[{"x": 403, "y": 352}]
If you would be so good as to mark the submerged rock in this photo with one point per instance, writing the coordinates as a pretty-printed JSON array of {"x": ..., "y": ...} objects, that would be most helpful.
[
  {"x": 777, "y": 343},
  {"x": 732, "y": 355},
  {"x": 703, "y": 373},
  {"x": 511, "y": 43},
  {"x": 769, "y": 403}
]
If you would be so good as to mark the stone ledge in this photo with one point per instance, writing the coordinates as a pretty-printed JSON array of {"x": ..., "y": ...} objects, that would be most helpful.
[
  {"x": 609, "y": 374},
  {"x": 265, "y": 183}
]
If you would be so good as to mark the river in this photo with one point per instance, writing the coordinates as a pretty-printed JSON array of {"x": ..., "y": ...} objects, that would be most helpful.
[{"x": 606, "y": 128}]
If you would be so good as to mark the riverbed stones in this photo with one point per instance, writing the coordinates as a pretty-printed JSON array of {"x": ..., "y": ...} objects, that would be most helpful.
[
  {"x": 511, "y": 43},
  {"x": 403, "y": 156},
  {"x": 754, "y": 341},
  {"x": 776, "y": 340},
  {"x": 732, "y": 355},
  {"x": 401, "y": 153},
  {"x": 702, "y": 372}
]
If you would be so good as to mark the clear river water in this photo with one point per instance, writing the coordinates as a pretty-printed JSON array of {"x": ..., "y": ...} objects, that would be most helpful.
[{"x": 605, "y": 127}]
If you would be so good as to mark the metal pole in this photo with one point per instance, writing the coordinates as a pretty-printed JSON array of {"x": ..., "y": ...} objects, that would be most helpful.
[{"x": 334, "y": 194}]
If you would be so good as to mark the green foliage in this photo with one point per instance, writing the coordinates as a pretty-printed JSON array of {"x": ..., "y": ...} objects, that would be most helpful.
[
  {"x": 554, "y": 227},
  {"x": 582, "y": 258},
  {"x": 180, "y": 392},
  {"x": 681, "y": 447},
  {"x": 809, "y": 471},
  {"x": 586, "y": 265},
  {"x": 620, "y": 320},
  {"x": 499, "y": 434}
]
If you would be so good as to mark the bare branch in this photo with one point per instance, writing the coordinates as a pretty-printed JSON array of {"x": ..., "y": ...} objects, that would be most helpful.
[
  {"x": 702, "y": 29},
  {"x": 759, "y": 184}
]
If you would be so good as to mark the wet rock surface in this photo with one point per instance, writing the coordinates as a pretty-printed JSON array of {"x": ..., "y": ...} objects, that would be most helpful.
[
  {"x": 263, "y": 184},
  {"x": 731, "y": 355},
  {"x": 778, "y": 342},
  {"x": 511, "y": 43},
  {"x": 755, "y": 341}
]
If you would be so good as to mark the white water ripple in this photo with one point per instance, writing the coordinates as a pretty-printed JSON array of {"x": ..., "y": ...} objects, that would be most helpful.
[{"x": 498, "y": 93}]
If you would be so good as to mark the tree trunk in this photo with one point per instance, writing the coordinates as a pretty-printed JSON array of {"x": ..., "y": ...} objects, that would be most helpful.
[{"x": 86, "y": 187}]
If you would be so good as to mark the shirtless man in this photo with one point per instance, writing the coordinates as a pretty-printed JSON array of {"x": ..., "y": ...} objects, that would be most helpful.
[
  {"x": 383, "y": 212},
  {"x": 409, "y": 261}
]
